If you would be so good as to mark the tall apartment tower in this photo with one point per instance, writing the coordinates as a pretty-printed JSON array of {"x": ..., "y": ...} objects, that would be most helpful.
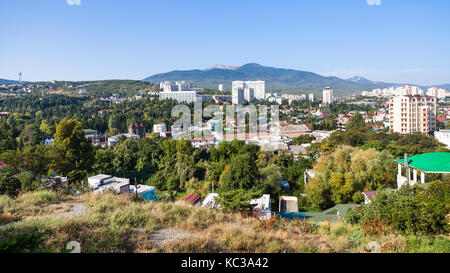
[
  {"x": 328, "y": 96},
  {"x": 252, "y": 89},
  {"x": 221, "y": 87},
  {"x": 237, "y": 96},
  {"x": 412, "y": 114},
  {"x": 259, "y": 89},
  {"x": 311, "y": 97}
]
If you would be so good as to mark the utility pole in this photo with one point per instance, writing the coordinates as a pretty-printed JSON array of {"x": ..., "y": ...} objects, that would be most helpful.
[
  {"x": 407, "y": 168},
  {"x": 135, "y": 187}
]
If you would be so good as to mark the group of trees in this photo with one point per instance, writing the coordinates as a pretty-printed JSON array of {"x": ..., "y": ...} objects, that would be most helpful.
[
  {"x": 342, "y": 175},
  {"x": 231, "y": 166},
  {"x": 71, "y": 155},
  {"x": 170, "y": 165}
]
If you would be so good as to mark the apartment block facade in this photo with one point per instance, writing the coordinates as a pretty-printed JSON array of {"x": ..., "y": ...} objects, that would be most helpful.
[
  {"x": 328, "y": 96},
  {"x": 237, "y": 96},
  {"x": 252, "y": 89},
  {"x": 412, "y": 114}
]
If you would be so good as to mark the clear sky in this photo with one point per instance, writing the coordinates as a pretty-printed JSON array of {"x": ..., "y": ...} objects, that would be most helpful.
[{"x": 385, "y": 40}]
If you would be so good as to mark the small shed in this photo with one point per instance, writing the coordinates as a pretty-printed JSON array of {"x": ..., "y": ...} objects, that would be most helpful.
[
  {"x": 147, "y": 192},
  {"x": 288, "y": 204}
]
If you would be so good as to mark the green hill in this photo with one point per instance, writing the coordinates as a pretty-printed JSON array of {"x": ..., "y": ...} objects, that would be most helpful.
[{"x": 277, "y": 79}]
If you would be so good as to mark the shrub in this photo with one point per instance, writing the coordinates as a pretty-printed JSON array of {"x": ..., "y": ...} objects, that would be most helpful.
[
  {"x": 22, "y": 243},
  {"x": 356, "y": 238},
  {"x": 409, "y": 209},
  {"x": 305, "y": 226},
  {"x": 5, "y": 203},
  {"x": 303, "y": 247},
  {"x": 427, "y": 244}
]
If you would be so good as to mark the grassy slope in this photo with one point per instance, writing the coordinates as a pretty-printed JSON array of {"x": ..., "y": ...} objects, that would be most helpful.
[{"x": 118, "y": 224}]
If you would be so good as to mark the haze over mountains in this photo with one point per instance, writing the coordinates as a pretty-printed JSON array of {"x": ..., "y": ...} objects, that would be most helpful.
[{"x": 277, "y": 79}]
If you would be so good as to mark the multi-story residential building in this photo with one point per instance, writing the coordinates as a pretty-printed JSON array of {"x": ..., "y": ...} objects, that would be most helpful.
[
  {"x": 252, "y": 89},
  {"x": 159, "y": 127},
  {"x": 168, "y": 86},
  {"x": 249, "y": 94},
  {"x": 328, "y": 96},
  {"x": 311, "y": 97},
  {"x": 437, "y": 92},
  {"x": 342, "y": 121},
  {"x": 181, "y": 96},
  {"x": 259, "y": 89},
  {"x": 237, "y": 96},
  {"x": 221, "y": 87},
  {"x": 412, "y": 114},
  {"x": 405, "y": 90}
]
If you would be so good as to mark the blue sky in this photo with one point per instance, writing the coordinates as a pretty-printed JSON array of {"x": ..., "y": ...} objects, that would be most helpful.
[{"x": 390, "y": 40}]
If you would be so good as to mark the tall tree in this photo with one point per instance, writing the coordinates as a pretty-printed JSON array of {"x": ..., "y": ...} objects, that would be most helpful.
[
  {"x": 356, "y": 123},
  {"x": 72, "y": 153}
]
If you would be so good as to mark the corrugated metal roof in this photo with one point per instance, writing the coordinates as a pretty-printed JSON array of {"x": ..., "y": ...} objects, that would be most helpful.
[{"x": 191, "y": 198}]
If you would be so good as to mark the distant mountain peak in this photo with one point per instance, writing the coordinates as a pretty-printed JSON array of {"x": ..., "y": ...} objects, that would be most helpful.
[
  {"x": 358, "y": 79},
  {"x": 222, "y": 66}
]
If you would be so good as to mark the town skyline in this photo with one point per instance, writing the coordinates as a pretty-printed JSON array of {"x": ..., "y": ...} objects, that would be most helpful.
[{"x": 386, "y": 41}]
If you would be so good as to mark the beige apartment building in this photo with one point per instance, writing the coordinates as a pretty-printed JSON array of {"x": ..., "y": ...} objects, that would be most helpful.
[{"x": 412, "y": 114}]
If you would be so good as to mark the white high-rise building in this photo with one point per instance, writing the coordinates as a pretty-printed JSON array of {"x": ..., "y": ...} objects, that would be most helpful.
[
  {"x": 436, "y": 92},
  {"x": 177, "y": 86},
  {"x": 328, "y": 96},
  {"x": 249, "y": 94},
  {"x": 221, "y": 87},
  {"x": 237, "y": 96},
  {"x": 258, "y": 88},
  {"x": 311, "y": 97},
  {"x": 412, "y": 114}
]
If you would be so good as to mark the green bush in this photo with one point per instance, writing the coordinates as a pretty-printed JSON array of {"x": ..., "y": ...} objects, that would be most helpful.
[
  {"x": 409, "y": 209},
  {"x": 22, "y": 243}
]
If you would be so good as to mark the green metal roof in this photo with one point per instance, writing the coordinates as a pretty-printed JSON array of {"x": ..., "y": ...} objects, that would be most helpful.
[
  {"x": 89, "y": 132},
  {"x": 431, "y": 162},
  {"x": 329, "y": 214}
]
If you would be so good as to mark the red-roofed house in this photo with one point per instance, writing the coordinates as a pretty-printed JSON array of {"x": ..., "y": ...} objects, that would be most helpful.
[{"x": 442, "y": 119}]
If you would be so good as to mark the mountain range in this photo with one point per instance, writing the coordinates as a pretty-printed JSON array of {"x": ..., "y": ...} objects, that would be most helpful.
[
  {"x": 3, "y": 81},
  {"x": 277, "y": 79}
]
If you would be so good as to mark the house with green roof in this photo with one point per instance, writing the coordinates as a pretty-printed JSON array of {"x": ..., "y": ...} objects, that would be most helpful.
[{"x": 425, "y": 163}]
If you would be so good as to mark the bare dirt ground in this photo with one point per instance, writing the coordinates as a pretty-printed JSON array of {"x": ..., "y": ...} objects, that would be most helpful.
[{"x": 164, "y": 236}]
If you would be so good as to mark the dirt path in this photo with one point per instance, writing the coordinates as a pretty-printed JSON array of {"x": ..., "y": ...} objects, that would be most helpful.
[
  {"x": 69, "y": 208},
  {"x": 78, "y": 208},
  {"x": 164, "y": 236}
]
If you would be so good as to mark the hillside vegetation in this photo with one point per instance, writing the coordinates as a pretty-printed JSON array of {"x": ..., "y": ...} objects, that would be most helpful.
[
  {"x": 277, "y": 79},
  {"x": 34, "y": 222}
]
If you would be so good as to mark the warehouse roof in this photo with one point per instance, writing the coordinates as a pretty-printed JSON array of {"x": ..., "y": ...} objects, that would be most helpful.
[{"x": 430, "y": 162}]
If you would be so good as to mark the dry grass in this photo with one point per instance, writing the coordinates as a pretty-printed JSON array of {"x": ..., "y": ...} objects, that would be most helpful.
[{"x": 115, "y": 223}]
